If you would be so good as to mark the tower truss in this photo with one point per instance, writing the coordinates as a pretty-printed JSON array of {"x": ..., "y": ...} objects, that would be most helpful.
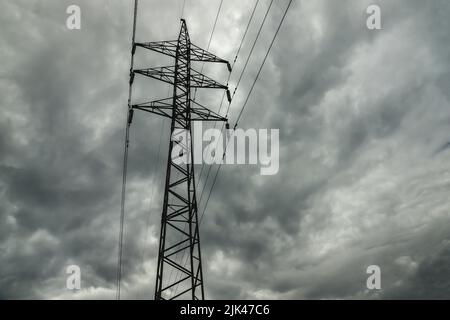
[{"x": 179, "y": 234}]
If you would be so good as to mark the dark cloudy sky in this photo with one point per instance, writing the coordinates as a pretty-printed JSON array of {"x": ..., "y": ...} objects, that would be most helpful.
[{"x": 364, "y": 119}]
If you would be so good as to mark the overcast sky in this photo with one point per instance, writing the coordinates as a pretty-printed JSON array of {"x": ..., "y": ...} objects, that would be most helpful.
[{"x": 364, "y": 120}]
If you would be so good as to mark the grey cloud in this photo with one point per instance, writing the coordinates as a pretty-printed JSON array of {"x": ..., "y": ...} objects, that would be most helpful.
[{"x": 361, "y": 114}]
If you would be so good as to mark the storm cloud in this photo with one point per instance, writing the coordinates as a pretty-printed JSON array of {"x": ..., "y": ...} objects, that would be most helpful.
[{"x": 364, "y": 179}]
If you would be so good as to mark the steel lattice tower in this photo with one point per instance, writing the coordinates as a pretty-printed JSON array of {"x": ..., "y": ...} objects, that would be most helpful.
[{"x": 179, "y": 235}]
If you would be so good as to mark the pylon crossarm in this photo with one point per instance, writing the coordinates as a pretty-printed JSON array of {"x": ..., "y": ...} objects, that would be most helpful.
[
  {"x": 168, "y": 48},
  {"x": 165, "y": 74},
  {"x": 201, "y": 113},
  {"x": 201, "y": 55},
  {"x": 162, "y": 107},
  {"x": 199, "y": 80},
  {"x": 155, "y": 110}
]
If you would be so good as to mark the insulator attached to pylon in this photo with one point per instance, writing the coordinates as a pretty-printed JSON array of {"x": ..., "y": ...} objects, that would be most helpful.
[
  {"x": 227, "y": 126},
  {"x": 229, "y": 66},
  {"x": 228, "y": 96},
  {"x": 130, "y": 116},
  {"x": 131, "y": 76},
  {"x": 133, "y": 50}
]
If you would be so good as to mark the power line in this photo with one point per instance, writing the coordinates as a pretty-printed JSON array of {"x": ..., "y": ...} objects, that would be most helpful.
[
  {"x": 156, "y": 167},
  {"x": 245, "y": 32},
  {"x": 262, "y": 64},
  {"x": 228, "y": 80},
  {"x": 125, "y": 159},
  {"x": 122, "y": 211},
  {"x": 214, "y": 26},
  {"x": 246, "y": 100},
  {"x": 203, "y": 65},
  {"x": 242, "y": 72},
  {"x": 253, "y": 47},
  {"x": 210, "y": 39},
  {"x": 239, "y": 81}
]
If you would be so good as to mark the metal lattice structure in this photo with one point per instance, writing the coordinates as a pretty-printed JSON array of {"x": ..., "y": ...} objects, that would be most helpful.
[{"x": 179, "y": 236}]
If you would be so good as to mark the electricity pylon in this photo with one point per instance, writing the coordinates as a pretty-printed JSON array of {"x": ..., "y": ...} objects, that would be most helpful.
[{"x": 179, "y": 222}]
